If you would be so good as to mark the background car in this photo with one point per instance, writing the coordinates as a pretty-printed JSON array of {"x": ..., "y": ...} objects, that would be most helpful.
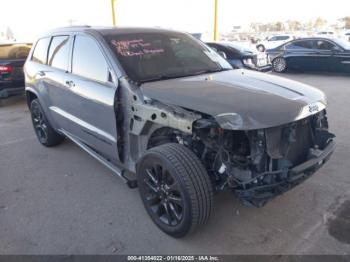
[
  {"x": 347, "y": 36},
  {"x": 240, "y": 56},
  {"x": 12, "y": 58},
  {"x": 320, "y": 54},
  {"x": 274, "y": 41},
  {"x": 325, "y": 33}
]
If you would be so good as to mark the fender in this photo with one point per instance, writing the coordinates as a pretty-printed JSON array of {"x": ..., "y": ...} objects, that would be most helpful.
[{"x": 47, "y": 112}]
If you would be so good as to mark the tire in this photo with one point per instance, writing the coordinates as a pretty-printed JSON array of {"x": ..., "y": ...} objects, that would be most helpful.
[
  {"x": 260, "y": 48},
  {"x": 279, "y": 65},
  {"x": 175, "y": 189},
  {"x": 46, "y": 135}
]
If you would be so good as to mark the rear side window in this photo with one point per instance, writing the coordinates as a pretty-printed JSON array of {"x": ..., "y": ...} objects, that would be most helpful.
[
  {"x": 88, "y": 60},
  {"x": 14, "y": 51},
  {"x": 40, "y": 51},
  {"x": 300, "y": 45},
  {"x": 59, "y": 52},
  {"x": 279, "y": 38}
]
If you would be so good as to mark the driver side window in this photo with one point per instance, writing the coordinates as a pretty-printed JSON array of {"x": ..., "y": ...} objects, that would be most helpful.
[{"x": 88, "y": 60}]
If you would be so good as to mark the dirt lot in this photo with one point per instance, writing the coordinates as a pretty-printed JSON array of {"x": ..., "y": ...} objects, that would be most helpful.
[{"x": 61, "y": 201}]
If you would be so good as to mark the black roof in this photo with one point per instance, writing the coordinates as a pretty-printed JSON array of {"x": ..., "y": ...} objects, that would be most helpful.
[
  {"x": 314, "y": 38},
  {"x": 107, "y": 30}
]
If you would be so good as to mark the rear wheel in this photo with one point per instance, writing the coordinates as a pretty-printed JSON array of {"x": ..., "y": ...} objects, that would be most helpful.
[
  {"x": 175, "y": 189},
  {"x": 47, "y": 136},
  {"x": 279, "y": 65}
]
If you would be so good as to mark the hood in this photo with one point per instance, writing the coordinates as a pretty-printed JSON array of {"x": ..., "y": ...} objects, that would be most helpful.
[{"x": 240, "y": 99}]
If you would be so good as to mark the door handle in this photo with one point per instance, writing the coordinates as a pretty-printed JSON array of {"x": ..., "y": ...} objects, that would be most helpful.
[
  {"x": 70, "y": 83},
  {"x": 41, "y": 73}
]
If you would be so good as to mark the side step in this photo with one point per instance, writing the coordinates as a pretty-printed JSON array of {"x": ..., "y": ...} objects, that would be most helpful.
[{"x": 132, "y": 183}]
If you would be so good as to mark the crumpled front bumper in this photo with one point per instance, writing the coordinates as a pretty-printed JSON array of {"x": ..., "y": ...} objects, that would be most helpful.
[{"x": 258, "y": 195}]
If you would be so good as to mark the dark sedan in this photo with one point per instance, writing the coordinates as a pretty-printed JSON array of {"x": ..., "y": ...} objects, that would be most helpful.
[
  {"x": 312, "y": 54},
  {"x": 240, "y": 56},
  {"x": 12, "y": 58}
]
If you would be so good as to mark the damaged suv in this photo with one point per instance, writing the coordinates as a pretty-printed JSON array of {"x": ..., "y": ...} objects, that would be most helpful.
[{"x": 170, "y": 116}]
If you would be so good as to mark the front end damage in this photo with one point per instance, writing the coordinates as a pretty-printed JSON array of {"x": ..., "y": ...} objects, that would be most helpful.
[{"x": 261, "y": 164}]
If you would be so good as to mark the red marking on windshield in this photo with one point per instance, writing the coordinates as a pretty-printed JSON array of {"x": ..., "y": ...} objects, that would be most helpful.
[{"x": 136, "y": 47}]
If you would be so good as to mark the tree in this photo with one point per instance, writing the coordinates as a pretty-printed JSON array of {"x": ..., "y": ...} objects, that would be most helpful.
[
  {"x": 320, "y": 23},
  {"x": 346, "y": 21},
  {"x": 294, "y": 25},
  {"x": 279, "y": 26}
]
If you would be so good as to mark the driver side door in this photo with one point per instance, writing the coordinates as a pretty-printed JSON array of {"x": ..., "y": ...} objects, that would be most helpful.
[
  {"x": 326, "y": 59},
  {"x": 88, "y": 102}
]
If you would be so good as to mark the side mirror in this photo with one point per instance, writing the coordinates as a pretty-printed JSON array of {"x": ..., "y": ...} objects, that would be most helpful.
[{"x": 223, "y": 54}]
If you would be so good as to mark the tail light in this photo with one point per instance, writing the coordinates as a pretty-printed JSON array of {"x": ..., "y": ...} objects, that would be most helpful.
[{"x": 5, "y": 69}]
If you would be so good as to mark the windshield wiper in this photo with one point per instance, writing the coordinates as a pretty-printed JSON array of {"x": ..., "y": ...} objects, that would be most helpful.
[
  {"x": 208, "y": 71},
  {"x": 160, "y": 77}
]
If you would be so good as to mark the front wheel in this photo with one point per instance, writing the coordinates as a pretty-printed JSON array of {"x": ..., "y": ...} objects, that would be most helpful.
[
  {"x": 279, "y": 65},
  {"x": 175, "y": 189}
]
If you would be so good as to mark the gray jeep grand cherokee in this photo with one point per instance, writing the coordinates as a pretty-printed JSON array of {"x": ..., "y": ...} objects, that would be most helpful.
[{"x": 168, "y": 115}]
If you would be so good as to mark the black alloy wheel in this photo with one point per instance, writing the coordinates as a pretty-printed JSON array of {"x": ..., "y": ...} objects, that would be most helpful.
[
  {"x": 46, "y": 135},
  {"x": 39, "y": 123},
  {"x": 175, "y": 188},
  {"x": 164, "y": 196}
]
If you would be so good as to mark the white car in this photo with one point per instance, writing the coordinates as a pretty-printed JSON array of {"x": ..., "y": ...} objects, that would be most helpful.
[
  {"x": 347, "y": 36},
  {"x": 273, "y": 41},
  {"x": 325, "y": 33}
]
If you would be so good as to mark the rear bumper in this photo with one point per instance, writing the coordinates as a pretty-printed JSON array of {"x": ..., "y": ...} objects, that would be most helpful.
[
  {"x": 259, "y": 195},
  {"x": 11, "y": 88}
]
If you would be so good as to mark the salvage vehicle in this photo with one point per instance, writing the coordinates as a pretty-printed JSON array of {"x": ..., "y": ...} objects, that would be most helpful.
[
  {"x": 12, "y": 58},
  {"x": 168, "y": 115},
  {"x": 240, "y": 56},
  {"x": 273, "y": 41},
  {"x": 312, "y": 54}
]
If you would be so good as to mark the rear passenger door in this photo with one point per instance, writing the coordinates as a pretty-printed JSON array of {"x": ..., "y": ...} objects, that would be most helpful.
[
  {"x": 88, "y": 104},
  {"x": 58, "y": 64},
  {"x": 300, "y": 54}
]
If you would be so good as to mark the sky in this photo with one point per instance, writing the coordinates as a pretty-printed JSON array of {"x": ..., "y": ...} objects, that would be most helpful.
[{"x": 30, "y": 18}]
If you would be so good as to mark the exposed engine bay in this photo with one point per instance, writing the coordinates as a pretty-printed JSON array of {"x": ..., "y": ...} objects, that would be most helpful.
[{"x": 259, "y": 164}]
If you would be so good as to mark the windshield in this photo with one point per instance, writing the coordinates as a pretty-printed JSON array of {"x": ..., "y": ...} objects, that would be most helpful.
[
  {"x": 14, "y": 51},
  {"x": 343, "y": 43},
  {"x": 157, "y": 56}
]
